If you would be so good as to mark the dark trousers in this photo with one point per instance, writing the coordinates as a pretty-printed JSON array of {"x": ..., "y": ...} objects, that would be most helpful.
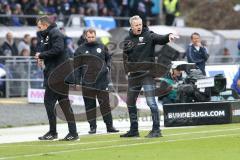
[
  {"x": 50, "y": 99},
  {"x": 89, "y": 97},
  {"x": 169, "y": 19},
  {"x": 135, "y": 83}
]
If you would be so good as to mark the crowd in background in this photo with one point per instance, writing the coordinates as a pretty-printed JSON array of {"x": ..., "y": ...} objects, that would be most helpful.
[
  {"x": 27, "y": 46},
  {"x": 64, "y": 8}
]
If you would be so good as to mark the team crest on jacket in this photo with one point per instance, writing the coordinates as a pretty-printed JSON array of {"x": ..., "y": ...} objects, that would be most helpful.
[
  {"x": 99, "y": 50},
  {"x": 140, "y": 39},
  {"x": 47, "y": 38}
]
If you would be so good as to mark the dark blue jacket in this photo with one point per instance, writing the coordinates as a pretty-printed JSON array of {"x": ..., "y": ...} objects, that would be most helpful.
[
  {"x": 198, "y": 57},
  {"x": 12, "y": 49},
  {"x": 92, "y": 62},
  {"x": 234, "y": 83}
]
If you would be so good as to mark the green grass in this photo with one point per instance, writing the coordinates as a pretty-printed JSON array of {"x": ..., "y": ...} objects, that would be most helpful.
[{"x": 215, "y": 142}]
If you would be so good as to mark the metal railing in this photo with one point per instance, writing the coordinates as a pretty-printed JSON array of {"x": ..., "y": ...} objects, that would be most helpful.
[
  {"x": 18, "y": 73},
  {"x": 21, "y": 73}
]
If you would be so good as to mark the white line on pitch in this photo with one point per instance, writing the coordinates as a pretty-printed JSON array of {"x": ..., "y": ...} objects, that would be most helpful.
[
  {"x": 120, "y": 139},
  {"x": 116, "y": 146}
]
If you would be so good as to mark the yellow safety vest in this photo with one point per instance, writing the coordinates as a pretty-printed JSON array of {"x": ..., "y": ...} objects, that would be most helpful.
[
  {"x": 171, "y": 6},
  {"x": 105, "y": 40}
]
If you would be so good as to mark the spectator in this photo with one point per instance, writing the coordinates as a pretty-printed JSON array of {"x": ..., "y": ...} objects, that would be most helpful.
[
  {"x": 8, "y": 12},
  {"x": 49, "y": 6},
  {"x": 25, "y": 53},
  {"x": 24, "y": 44},
  {"x": 171, "y": 10},
  {"x": 22, "y": 71},
  {"x": 113, "y": 6},
  {"x": 66, "y": 7},
  {"x": 104, "y": 12},
  {"x": 9, "y": 47},
  {"x": 83, "y": 4},
  {"x": 58, "y": 5},
  {"x": 238, "y": 45},
  {"x": 65, "y": 10},
  {"x": 101, "y": 5},
  {"x": 34, "y": 9},
  {"x": 1, "y": 51},
  {"x": 73, "y": 10},
  {"x": 226, "y": 52},
  {"x": 124, "y": 12},
  {"x": 81, "y": 11},
  {"x": 226, "y": 56},
  {"x": 33, "y": 46},
  {"x": 133, "y": 7},
  {"x": 15, "y": 19},
  {"x": 196, "y": 53},
  {"x": 25, "y": 4},
  {"x": 236, "y": 82},
  {"x": 1, "y": 12},
  {"x": 92, "y": 6},
  {"x": 139, "y": 8},
  {"x": 149, "y": 4},
  {"x": 68, "y": 43},
  {"x": 142, "y": 11}
]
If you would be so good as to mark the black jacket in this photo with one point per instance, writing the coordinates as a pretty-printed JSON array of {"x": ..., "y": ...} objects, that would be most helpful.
[
  {"x": 51, "y": 49},
  {"x": 140, "y": 48},
  {"x": 9, "y": 50},
  {"x": 92, "y": 61}
]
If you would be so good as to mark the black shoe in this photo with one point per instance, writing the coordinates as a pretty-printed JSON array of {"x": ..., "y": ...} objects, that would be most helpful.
[
  {"x": 93, "y": 130},
  {"x": 49, "y": 136},
  {"x": 111, "y": 129},
  {"x": 130, "y": 134},
  {"x": 154, "y": 134},
  {"x": 71, "y": 137}
]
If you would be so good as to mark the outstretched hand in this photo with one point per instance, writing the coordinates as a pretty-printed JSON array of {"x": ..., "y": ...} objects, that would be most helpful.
[{"x": 172, "y": 37}]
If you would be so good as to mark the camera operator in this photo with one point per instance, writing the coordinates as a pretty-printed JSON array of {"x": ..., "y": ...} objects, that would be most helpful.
[{"x": 173, "y": 78}]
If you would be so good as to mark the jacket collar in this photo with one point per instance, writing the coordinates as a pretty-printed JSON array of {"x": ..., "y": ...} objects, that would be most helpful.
[
  {"x": 91, "y": 44},
  {"x": 46, "y": 32}
]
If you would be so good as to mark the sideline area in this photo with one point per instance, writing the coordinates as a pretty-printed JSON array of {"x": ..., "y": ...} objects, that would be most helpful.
[
  {"x": 31, "y": 133},
  {"x": 212, "y": 142}
]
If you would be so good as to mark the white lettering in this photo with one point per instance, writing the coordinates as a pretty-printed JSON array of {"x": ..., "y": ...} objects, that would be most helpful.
[{"x": 200, "y": 114}]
